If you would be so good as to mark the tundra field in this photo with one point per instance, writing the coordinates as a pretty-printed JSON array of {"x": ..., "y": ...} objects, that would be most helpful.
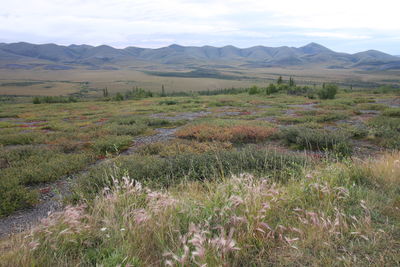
[
  {"x": 254, "y": 176},
  {"x": 89, "y": 83}
]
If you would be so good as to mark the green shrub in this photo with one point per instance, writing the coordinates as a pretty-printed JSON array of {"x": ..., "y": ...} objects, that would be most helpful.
[
  {"x": 254, "y": 90},
  {"x": 29, "y": 165},
  {"x": 168, "y": 102},
  {"x": 392, "y": 112},
  {"x": 271, "y": 89},
  {"x": 54, "y": 99},
  {"x": 328, "y": 91},
  {"x": 138, "y": 120},
  {"x": 119, "y": 97},
  {"x": 132, "y": 130},
  {"x": 36, "y": 100},
  {"x": 35, "y": 165},
  {"x": 317, "y": 139},
  {"x": 21, "y": 138},
  {"x": 300, "y": 90},
  {"x": 358, "y": 131},
  {"x": 111, "y": 144},
  {"x": 14, "y": 196},
  {"x": 386, "y": 130}
]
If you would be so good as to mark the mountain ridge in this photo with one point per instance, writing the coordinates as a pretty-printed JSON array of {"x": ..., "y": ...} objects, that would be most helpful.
[{"x": 101, "y": 56}]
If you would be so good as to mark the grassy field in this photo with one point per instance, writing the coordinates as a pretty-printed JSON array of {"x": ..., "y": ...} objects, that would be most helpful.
[
  {"x": 91, "y": 82},
  {"x": 227, "y": 180}
]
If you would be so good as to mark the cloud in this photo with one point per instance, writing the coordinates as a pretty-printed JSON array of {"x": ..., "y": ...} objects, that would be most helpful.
[
  {"x": 337, "y": 35},
  {"x": 161, "y": 22}
]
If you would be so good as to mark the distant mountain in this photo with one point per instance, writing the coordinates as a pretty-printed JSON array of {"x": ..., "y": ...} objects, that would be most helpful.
[{"x": 57, "y": 57}]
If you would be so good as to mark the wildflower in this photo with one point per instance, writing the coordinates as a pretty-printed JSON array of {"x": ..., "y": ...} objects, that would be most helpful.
[
  {"x": 140, "y": 216},
  {"x": 33, "y": 244},
  {"x": 290, "y": 240},
  {"x": 225, "y": 243},
  {"x": 236, "y": 220},
  {"x": 103, "y": 229},
  {"x": 236, "y": 201}
]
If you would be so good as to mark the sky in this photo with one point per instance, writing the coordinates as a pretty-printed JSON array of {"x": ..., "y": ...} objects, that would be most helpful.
[{"x": 342, "y": 25}]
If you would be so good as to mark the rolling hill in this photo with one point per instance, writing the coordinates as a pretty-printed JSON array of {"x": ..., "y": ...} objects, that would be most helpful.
[{"x": 57, "y": 57}]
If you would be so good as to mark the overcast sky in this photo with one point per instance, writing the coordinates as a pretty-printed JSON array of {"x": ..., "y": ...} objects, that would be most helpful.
[{"x": 342, "y": 25}]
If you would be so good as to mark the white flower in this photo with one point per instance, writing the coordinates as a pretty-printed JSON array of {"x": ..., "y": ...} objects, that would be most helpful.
[{"x": 103, "y": 229}]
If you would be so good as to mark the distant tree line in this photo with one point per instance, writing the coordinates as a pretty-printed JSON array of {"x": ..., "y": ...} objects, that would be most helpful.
[{"x": 327, "y": 91}]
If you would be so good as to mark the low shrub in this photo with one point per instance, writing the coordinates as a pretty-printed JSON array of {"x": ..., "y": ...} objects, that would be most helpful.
[
  {"x": 111, "y": 144},
  {"x": 386, "y": 131},
  {"x": 168, "y": 102},
  {"x": 317, "y": 139},
  {"x": 132, "y": 130},
  {"x": 14, "y": 196},
  {"x": 210, "y": 165},
  {"x": 174, "y": 148},
  {"x": 234, "y": 134},
  {"x": 30, "y": 165},
  {"x": 21, "y": 138},
  {"x": 139, "y": 120},
  {"x": 54, "y": 99},
  {"x": 34, "y": 165},
  {"x": 391, "y": 112},
  {"x": 358, "y": 131}
]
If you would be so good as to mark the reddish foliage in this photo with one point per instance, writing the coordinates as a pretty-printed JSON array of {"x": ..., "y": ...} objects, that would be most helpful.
[{"x": 45, "y": 190}]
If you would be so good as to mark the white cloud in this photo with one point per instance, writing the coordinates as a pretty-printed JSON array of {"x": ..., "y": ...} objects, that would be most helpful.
[{"x": 337, "y": 35}]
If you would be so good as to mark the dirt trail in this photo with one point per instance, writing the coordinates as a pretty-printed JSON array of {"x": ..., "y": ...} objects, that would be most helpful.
[{"x": 52, "y": 193}]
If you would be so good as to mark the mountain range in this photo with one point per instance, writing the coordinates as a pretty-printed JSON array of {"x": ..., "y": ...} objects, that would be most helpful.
[{"x": 58, "y": 57}]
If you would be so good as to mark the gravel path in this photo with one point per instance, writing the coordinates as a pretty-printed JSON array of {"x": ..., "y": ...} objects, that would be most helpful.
[
  {"x": 52, "y": 193},
  {"x": 162, "y": 135},
  {"x": 50, "y": 201}
]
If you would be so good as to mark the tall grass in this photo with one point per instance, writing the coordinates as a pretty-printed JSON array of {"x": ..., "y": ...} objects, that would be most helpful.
[{"x": 335, "y": 215}]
